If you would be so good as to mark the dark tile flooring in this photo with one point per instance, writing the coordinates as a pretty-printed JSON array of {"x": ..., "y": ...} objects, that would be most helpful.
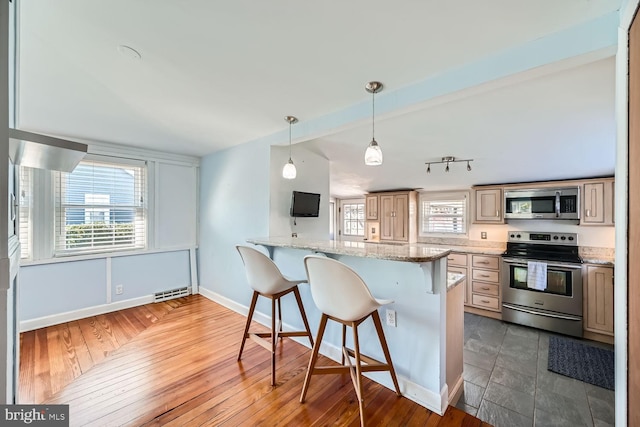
[{"x": 507, "y": 384}]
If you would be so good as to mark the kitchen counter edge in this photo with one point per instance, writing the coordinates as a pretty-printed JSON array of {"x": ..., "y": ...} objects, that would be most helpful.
[{"x": 410, "y": 252}]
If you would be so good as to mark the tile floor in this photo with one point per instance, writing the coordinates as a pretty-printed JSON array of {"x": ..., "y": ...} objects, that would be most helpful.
[{"x": 507, "y": 384}]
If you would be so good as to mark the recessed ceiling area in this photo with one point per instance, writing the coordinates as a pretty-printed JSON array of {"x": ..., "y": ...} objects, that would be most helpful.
[{"x": 213, "y": 75}]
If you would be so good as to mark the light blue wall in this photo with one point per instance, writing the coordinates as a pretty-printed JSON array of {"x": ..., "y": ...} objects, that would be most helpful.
[
  {"x": 52, "y": 289},
  {"x": 45, "y": 289},
  {"x": 234, "y": 205},
  {"x": 149, "y": 273}
]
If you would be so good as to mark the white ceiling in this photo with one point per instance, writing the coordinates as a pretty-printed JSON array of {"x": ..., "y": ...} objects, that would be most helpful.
[{"x": 214, "y": 74}]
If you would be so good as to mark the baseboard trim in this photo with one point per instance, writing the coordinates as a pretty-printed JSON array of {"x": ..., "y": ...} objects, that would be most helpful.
[
  {"x": 69, "y": 316},
  {"x": 456, "y": 391},
  {"x": 436, "y": 402}
]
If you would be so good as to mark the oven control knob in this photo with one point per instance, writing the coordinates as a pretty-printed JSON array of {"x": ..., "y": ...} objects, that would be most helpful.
[
  {"x": 570, "y": 237},
  {"x": 518, "y": 236},
  {"x": 513, "y": 235},
  {"x": 563, "y": 238},
  {"x": 555, "y": 237}
]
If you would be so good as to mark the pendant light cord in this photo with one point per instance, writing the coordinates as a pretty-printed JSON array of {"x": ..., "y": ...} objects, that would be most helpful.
[
  {"x": 373, "y": 115},
  {"x": 289, "y": 141}
]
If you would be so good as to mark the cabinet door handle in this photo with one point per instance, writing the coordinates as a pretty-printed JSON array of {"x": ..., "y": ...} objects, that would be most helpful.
[
  {"x": 484, "y": 288},
  {"x": 484, "y": 275},
  {"x": 588, "y": 213},
  {"x": 482, "y": 262},
  {"x": 450, "y": 259},
  {"x": 485, "y": 301}
]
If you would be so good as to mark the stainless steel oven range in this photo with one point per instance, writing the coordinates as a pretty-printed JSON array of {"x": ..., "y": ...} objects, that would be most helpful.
[{"x": 542, "y": 281}]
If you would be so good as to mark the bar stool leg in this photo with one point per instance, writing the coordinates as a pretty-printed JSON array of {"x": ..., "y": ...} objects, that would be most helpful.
[
  {"x": 314, "y": 356},
  {"x": 356, "y": 347},
  {"x": 274, "y": 341},
  {"x": 296, "y": 293},
  {"x": 385, "y": 350},
  {"x": 252, "y": 308},
  {"x": 279, "y": 316},
  {"x": 344, "y": 341}
]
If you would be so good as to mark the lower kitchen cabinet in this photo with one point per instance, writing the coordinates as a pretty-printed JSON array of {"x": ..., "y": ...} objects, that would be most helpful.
[
  {"x": 485, "y": 283},
  {"x": 598, "y": 311},
  {"x": 458, "y": 263}
]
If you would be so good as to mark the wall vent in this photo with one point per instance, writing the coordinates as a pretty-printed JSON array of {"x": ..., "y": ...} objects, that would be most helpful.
[{"x": 172, "y": 294}]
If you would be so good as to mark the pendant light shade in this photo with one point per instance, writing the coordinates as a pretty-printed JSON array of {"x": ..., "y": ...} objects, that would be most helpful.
[
  {"x": 373, "y": 154},
  {"x": 289, "y": 169}
]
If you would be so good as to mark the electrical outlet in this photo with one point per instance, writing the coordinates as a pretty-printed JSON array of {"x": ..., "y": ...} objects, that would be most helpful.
[
  {"x": 119, "y": 290},
  {"x": 483, "y": 235},
  {"x": 391, "y": 317}
]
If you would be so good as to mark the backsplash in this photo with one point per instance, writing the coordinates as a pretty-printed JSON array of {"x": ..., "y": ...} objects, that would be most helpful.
[{"x": 462, "y": 242}]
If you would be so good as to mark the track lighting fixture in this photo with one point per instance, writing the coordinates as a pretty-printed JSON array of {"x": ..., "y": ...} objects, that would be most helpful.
[{"x": 447, "y": 160}]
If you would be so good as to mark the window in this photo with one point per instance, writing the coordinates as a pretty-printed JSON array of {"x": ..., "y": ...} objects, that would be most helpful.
[
  {"x": 100, "y": 206},
  {"x": 443, "y": 213},
  {"x": 353, "y": 219}
]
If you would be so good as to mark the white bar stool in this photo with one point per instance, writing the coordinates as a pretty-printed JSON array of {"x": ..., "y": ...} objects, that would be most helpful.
[
  {"x": 267, "y": 281},
  {"x": 342, "y": 296}
]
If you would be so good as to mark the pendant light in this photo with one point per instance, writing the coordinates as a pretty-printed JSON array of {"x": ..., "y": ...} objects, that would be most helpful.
[
  {"x": 373, "y": 155},
  {"x": 289, "y": 170}
]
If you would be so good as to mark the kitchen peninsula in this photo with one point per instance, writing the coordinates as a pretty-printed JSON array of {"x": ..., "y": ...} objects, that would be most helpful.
[{"x": 426, "y": 342}]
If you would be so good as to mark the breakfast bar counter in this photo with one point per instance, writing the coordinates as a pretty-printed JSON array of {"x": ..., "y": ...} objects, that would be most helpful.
[{"x": 426, "y": 334}]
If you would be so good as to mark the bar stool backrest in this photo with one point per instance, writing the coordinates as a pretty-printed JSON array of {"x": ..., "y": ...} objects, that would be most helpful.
[
  {"x": 337, "y": 290},
  {"x": 262, "y": 273}
]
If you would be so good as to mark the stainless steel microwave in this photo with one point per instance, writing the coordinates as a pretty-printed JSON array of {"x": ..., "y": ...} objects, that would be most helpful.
[{"x": 542, "y": 203}]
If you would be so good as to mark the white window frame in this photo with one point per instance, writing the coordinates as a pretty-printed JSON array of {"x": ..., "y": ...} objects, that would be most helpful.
[
  {"x": 441, "y": 196},
  {"x": 352, "y": 237},
  {"x": 140, "y": 196}
]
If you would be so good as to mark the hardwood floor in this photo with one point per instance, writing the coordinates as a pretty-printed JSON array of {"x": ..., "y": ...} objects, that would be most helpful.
[{"x": 175, "y": 364}]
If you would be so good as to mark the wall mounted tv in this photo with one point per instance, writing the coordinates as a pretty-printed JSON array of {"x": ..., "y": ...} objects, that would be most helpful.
[{"x": 305, "y": 204}]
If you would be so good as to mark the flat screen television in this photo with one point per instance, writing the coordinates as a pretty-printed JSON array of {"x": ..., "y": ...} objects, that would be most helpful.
[{"x": 305, "y": 204}]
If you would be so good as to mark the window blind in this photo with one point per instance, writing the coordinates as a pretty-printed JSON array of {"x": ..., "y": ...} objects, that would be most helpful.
[
  {"x": 26, "y": 212},
  {"x": 444, "y": 216},
  {"x": 101, "y": 206}
]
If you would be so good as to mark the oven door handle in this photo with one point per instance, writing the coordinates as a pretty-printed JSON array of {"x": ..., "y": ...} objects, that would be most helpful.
[
  {"x": 541, "y": 313},
  {"x": 521, "y": 263}
]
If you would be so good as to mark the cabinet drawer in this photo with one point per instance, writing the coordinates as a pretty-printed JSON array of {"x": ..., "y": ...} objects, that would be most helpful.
[
  {"x": 485, "y": 288},
  {"x": 490, "y": 262},
  {"x": 486, "y": 275},
  {"x": 457, "y": 270},
  {"x": 485, "y": 301},
  {"x": 457, "y": 259}
]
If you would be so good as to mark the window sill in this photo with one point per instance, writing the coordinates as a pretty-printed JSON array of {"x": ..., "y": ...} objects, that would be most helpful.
[{"x": 103, "y": 255}]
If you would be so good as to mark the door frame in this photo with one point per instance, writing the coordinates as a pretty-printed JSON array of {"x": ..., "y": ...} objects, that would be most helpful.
[{"x": 340, "y": 219}]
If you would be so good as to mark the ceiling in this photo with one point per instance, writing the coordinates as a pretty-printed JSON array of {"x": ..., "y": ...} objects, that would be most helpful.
[{"x": 214, "y": 74}]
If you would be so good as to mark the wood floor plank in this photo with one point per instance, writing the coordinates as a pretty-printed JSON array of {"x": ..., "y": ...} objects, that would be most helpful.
[
  {"x": 175, "y": 364},
  {"x": 42, "y": 378},
  {"x": 85, "y": 361},
  {"x": 27, "y": 367}
]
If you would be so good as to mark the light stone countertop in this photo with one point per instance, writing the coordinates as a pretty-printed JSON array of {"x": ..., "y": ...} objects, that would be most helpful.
[
  {"x": 605, "y": 262},
  {"x": 454, "y": 279},
  {"x": 413, "y": 252}
]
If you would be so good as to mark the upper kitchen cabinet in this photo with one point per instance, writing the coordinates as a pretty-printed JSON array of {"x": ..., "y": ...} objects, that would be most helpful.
[
  {"x": 488, "y": 206},
  {"x": 598, "y": 202},
  {"x": 397, "y": 215},
  {"x": 371, "y": 207}
]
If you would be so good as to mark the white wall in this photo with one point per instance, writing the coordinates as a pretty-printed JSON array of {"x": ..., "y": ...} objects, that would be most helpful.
[{"x": 312, "y": 177}]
